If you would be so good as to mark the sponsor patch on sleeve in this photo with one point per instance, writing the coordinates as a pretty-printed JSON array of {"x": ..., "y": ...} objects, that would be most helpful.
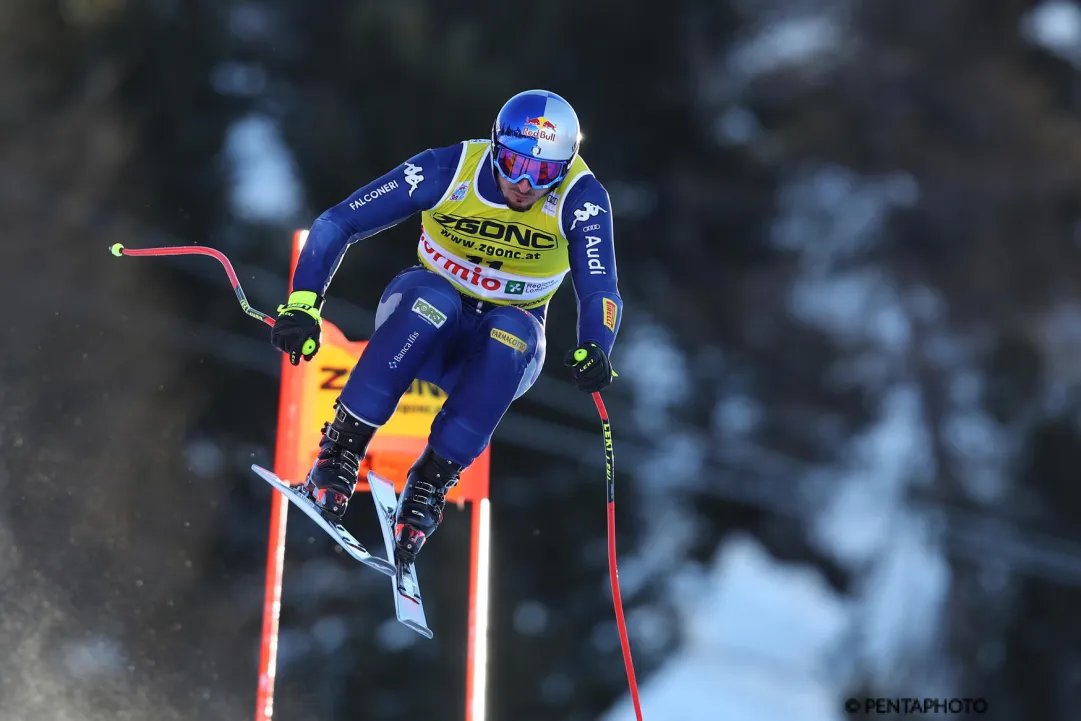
[
  {"x": 610, "y": 314},
  {"x": 507, "y": 339}
]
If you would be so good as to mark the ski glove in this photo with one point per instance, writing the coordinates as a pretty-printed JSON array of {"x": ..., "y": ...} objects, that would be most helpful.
[
  {"x": 299, "y": 327},
  {"x": 590, "y": 366}
]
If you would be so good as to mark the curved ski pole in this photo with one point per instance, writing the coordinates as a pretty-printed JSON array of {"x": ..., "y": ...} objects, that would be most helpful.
[
  {"x": 613, "y": 571},
  {"x": 118, "y": 250}
]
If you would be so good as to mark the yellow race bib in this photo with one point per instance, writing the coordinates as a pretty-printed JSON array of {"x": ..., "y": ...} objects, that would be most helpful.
[{"x": 489, "y": 251}]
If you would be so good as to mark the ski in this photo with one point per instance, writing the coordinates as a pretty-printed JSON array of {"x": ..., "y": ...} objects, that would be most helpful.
[
  {"x": 408, "y": 604},
  {"x": 335, "y": 530}
]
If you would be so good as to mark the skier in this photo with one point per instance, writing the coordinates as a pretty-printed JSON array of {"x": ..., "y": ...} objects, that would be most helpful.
[{"x": 502, "y": 221}]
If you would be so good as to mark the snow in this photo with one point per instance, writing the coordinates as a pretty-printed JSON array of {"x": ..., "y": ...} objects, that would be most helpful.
[
  {"x": 760, "y": 639},
  {"x": 265, "y": 187},
  {"x": 1055, "y": 25}
]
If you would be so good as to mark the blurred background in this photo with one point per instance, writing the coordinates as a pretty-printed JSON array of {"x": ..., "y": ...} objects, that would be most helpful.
[{"x": 848, "y": 415}]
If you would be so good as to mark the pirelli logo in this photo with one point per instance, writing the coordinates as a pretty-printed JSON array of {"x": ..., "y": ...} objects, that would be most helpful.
[
  {"x": 507, "y": 339},
  {"x": 610, "y": 314}
]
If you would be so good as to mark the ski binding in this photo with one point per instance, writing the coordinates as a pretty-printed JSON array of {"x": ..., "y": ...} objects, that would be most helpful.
[
  {"x": 408, "y": 605},
  {"x": 336, "y": 531},
  {"x": 407, "y": 601}
]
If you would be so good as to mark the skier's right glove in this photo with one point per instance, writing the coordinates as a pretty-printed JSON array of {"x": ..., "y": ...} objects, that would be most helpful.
[
  {"x": 298, "y": 329},
  {"x": 590, "y": 367}
]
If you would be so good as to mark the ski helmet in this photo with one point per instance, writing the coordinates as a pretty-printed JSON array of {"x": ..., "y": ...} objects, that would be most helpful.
[{"x": 535, "y": 136}]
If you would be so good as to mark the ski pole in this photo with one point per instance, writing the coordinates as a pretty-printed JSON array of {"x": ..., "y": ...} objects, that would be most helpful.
[
  {"x": 613, "y": 571},
  {"x": 118, "y": 250}
]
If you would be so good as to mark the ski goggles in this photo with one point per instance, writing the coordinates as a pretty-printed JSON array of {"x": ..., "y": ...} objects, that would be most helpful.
[{"x": 540, "y": 173}]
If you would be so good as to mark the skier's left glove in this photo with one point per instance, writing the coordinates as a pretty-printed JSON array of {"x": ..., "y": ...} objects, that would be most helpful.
[
  {"x": 298, "y": 327},
  {"x": 590, "y": 366}
]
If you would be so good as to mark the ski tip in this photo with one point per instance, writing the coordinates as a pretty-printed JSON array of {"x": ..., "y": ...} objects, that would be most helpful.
[
  {"x": 271, "y": 477},
  {"x": 263, "y": 473}
]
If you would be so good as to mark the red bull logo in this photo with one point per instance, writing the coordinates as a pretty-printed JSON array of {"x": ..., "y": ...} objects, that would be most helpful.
[
  {"x": 541, "y": 122},
  {"x": 539, "y": 127}
]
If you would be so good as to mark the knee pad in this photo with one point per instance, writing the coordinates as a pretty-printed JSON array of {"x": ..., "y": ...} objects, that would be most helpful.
[{"x": 423, "y": 292}]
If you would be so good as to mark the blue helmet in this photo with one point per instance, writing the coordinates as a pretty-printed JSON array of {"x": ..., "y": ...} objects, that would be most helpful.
[{"x": 535, "y": 136}]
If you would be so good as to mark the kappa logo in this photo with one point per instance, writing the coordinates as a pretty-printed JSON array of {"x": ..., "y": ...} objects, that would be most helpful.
[
  {"x": 460, "y": 191},
  {"x": 587, "y": 211},
  {"x": 413, "y": 177},
  {"x": 429, "y": 312}
]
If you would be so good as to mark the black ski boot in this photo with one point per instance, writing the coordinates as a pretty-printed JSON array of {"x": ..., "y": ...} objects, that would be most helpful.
[
  {"x": 333, "y": 478},
  {"x": 420, "y": 508}
]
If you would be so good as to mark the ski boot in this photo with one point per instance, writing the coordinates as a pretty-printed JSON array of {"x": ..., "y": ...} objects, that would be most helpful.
[
  {"x": 420, "y": 507},
  {"x": 333, "y": 478}
]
